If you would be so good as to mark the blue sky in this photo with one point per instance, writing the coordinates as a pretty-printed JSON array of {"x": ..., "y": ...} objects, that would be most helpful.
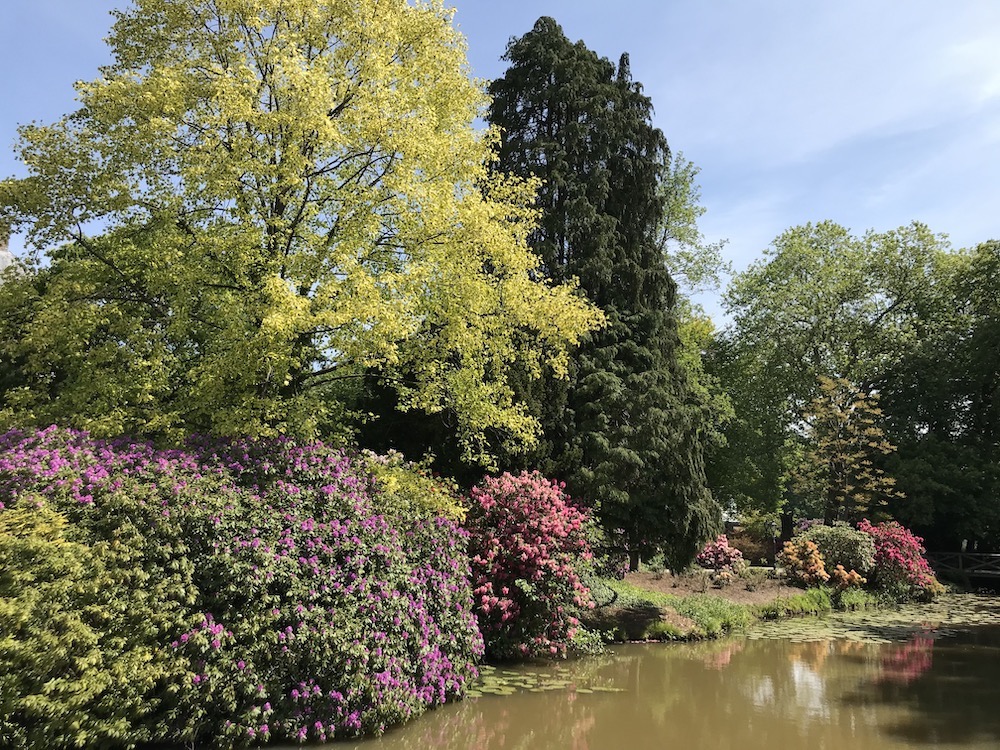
[{"x": 872, "y": 113}]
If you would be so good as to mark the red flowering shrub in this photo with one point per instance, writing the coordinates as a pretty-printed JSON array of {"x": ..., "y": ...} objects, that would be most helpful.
[
  {"x": 526, "y": 537},
  {"x": 719, "y": 556},
  {"x": 900, "y": 566}
]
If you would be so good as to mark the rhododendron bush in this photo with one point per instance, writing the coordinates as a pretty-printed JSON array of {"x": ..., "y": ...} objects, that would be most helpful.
[
  {"x": 226, "y": 593},
  {"x": 720, "y": 556},
  {"x": 900, "y": 566},
  {"x": 526, "y": 540}
]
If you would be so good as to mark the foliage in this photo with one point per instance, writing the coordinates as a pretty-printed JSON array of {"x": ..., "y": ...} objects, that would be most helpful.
[
  {"x": 844, "y": 546},
  {"x": 413, "y": 487},
  {"x": 900, "y": 566},
  {"x": 713, "y": 616},
  {"x": 227, "y": 593},
  {"x": 803, "y": 561},
  {"x": 820, "y": 303},
  {"x": 292, "y": 195},
  {"x": 855, "y": 599},
  {"x": 526, "y": 541},
  {"x": 841, "y": 578},
  {"x": 696, "y": 264},
  {"x": 844, "y": 439},
  {"x": 719, "y": 556},
  {"x": 942, "y": 403},
  {"x": 625, "y": 432}
]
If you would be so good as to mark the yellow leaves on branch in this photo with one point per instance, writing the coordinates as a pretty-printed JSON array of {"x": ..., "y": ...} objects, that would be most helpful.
[{"x": 295, "y": 194}]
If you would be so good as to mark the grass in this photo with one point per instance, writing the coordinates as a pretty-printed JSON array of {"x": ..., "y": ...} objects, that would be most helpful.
[
  {"x": 628, "y": 612},
  {"x": 712, "y": 616}
]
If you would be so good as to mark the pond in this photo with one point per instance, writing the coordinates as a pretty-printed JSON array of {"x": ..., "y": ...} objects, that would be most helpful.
[{"x": 918, "y": 678}]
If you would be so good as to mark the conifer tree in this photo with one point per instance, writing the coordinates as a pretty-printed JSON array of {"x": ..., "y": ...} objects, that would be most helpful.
[{"x": 624, "y": 432}]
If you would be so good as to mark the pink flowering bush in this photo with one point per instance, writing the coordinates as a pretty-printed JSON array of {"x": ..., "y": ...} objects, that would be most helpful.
[
  {"x": 526, "y": 539},
  {"x": 900, "y": 567},
  {"x": 227, "y": 594},
  {"x": 720, "y": 557}
]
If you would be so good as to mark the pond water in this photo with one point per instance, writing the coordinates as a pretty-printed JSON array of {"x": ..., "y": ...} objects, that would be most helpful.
[{"x": 924, "y": 677}]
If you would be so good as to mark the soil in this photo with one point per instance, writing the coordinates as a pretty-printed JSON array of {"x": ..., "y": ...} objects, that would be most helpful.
[{"x": 766, "y": 590}]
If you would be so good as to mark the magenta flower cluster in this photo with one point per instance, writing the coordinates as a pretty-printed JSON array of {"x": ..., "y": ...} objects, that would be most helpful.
[
  {"x": 292, "y": 600},
  {"x": 899, "y": 557},
  {"x": 720, "y": 556},
  {"x": 527, "y": 539}
]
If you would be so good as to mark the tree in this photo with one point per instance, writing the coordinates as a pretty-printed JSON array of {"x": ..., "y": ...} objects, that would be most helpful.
[
  {"x": 821, "y": 303},
  {"x": 629, "y": 438},
  {"x": 287, "y": 195},
  {"x": 843, "y": 442},
  {"x": 942, "y": 405},
  {"x": 694, "y": 263}
]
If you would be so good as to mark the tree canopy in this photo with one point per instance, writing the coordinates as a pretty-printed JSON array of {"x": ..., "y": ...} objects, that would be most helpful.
[
  {"x": 260, "y": 201},
  {"x": 822, "y": 303}
]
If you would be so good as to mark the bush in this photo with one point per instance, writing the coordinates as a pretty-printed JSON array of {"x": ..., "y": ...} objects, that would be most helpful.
[
  {"x": 526, "y": 540},
  {"x": 227, "y": 593},
  {"x": 803, "y": 561},
  {"x": 901, "y": 571},
  {"x": 721, "y": 557},
  {"x": 841, "y": 545}
]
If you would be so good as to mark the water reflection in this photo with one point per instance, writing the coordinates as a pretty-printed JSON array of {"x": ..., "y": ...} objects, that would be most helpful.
[{"x": 933, "y": 687}]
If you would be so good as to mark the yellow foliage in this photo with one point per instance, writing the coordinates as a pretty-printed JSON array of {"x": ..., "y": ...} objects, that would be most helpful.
[{"x": 295, "y": 195}]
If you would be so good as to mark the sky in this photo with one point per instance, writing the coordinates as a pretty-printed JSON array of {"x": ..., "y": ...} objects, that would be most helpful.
[{"x": 870, "y": 113}]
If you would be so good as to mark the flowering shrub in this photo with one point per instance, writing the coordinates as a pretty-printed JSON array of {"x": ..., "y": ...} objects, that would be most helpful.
[
  {"x": 526, "y": 539},
  {"x": 842, "y": 545},
  {"x": 719, "y": 556},
  {"x": 227, "y": 593},
  {"x": 842, "y": 578},
  {"x": 803, "y": 561},
  {"x": 900, "y": 567}
]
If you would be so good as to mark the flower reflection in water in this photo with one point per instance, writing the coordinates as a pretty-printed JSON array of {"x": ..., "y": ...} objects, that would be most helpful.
[{"x": 906, "y": 662}]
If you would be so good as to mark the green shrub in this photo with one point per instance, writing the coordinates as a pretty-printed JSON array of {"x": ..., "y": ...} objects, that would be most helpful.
[
  {"x": 661, "y": 630},
  {"x": 229, "y": 594},
  {"x": 842, "y": 545}
]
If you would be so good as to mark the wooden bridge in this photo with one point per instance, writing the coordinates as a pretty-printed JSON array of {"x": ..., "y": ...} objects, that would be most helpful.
[{"x": 971, "y": 564}]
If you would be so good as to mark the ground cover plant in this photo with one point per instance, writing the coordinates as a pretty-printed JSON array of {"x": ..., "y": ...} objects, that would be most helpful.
[{"x": 228, "y": 593}]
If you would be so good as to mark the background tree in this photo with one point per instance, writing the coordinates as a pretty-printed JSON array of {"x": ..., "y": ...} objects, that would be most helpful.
[
  {"x": 843, "y": 443},
  {"x": 821, "y": 303},
  {"x": 291, "y": 195},
  {"x": 942, "y": 405},
  {"x": 629, "y": 438}
]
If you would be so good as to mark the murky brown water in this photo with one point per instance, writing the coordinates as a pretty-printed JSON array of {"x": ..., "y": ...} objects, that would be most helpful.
[{"x": 934, "y": 684}]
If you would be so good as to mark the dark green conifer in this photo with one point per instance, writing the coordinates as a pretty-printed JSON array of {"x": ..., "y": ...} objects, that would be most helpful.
[{"x": 626, "y": 435}]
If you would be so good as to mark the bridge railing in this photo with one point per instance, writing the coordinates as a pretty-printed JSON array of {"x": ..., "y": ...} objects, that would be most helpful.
[{"x": 965, "y": 563}]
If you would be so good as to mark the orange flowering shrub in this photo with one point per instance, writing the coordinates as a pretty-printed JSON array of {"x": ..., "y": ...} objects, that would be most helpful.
[
  {"x": 801, "y": 558},
  {"x": 845, "y": 579}
]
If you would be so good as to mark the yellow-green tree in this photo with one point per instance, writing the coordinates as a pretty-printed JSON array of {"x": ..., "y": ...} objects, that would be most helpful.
[
  {"x": 838, "y": 464},
  {"x": 260, "y": 201}
]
